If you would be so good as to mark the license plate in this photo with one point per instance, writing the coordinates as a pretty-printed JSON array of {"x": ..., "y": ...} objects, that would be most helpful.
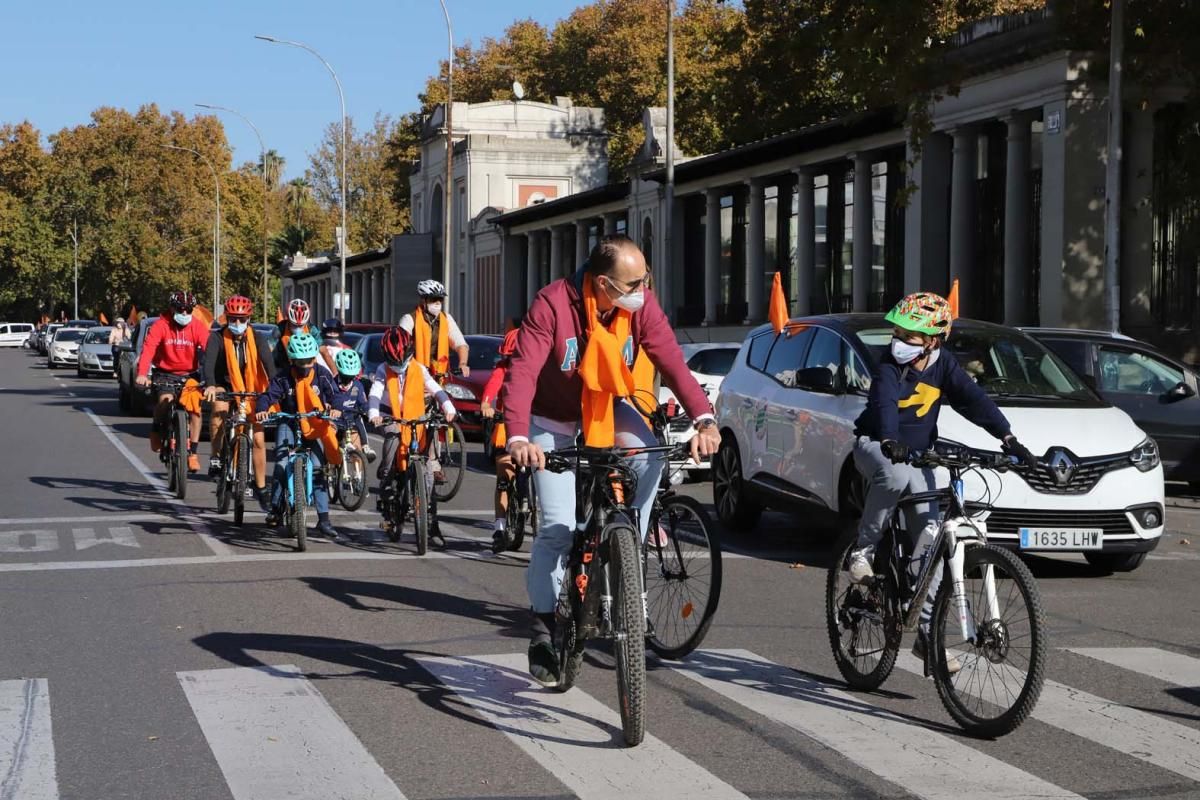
[{"x": 1061, "y": 538}]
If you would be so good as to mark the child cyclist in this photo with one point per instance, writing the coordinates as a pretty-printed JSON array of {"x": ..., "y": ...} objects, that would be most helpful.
[
  {"x": 405, "y": 382},
  {"x": 302, "y": 388},
  {"x": 351, "y": 398},
  {"x": 489, "y": 404},
  {"x": 907, "y": 390}
]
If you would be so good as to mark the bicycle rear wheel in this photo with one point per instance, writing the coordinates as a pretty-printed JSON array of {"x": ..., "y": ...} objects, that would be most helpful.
[
  {"x": 863, "y": 624},
  {"x": 298, "y": 513},
  {"x": 352, "y": 480},
  {"x": 419, "y": 494},
  {"x": 398, "y": 505},
  {"x": 224, "y": 487},
  {"x": 629, "y": 624},
  {"x": 242, "y": 448},
  {"x": 568, "y": 635},
  {"x": 683, "y": 577},
  {"x": 179, "y": 425},
  {"x": 453, "y": 459},
  {"x": 1002, "y": 671},
  {"x": 515, "y": 518}
]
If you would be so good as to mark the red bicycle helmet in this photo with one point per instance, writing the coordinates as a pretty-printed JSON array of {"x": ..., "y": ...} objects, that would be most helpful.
[
  {"x": 396, "y": 344},
  {"x": 239, "y": 306},
  {"x": 298, "y": 312},
  {"x": 509, "y": 345}
]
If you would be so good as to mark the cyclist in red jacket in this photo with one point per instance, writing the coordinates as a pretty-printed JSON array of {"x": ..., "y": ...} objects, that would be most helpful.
[{"x": 174, "y": 345}]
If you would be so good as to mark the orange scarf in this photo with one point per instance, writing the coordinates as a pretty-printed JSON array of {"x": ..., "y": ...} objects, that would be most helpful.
[
  {"x": 190, "y": 396},
  {"x": 254, "y": 379},
  {"x": 308, "y": 400},
  {"x": 411, "y": 406},
  {"x": 605, "y": 374},
  {"x": 437, "y": 363}
]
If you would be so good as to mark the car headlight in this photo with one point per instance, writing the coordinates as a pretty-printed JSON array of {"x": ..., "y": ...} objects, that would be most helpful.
[
  {"x": 1145, "y": 455},
  {"x": 459, "y": 392}
]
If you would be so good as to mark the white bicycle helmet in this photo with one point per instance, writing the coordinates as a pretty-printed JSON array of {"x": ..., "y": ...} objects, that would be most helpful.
[{"x": 431, "y": 289}]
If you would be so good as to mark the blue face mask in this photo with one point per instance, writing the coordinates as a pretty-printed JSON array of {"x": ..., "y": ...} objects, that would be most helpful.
[
  {"x": 238, "y": 328},
  {"x": 183, "y": 319}
]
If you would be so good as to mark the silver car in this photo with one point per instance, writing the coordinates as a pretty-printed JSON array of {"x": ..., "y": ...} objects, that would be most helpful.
[
  {"x": 95, "y": 354},
  {"x": 63, "y": 350}
]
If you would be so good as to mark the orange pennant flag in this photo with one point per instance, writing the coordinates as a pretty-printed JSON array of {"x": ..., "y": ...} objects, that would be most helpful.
[
  {"x": 103, "y": 319},
  {"x": 203, "y": 314},
  {"x": 778, "y": 310},
  {"x": 278, "y": 314},
  {"x": 953, "y": 300}
]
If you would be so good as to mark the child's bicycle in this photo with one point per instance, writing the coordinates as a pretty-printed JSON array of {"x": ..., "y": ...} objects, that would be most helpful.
[
  {"x": 522, "y": 513},
  {"x": 296, "y": 494},
  {"x": 408, "y": 495},
  {"x": 236, "y": 451},
  {"x": 347, "y": 482}
]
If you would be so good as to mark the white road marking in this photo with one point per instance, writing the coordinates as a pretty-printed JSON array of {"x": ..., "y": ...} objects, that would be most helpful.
[
  {"x": 27, "y": 769},
  {"x": 916, "y": 759},
  {"x": 29, "y": 540},
  {"x": 274, "y": 735},
  {"x": 573, "y": 736},
  {"x": 191, "y": 561},
  {"x": 1162, "y": 664},
  {"x": 121, "y": 535},
  {"x": 93, "y": 518},
  {"x": 194, "y": 522}
]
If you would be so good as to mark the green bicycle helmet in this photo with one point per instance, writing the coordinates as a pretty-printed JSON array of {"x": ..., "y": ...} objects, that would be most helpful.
[
  {"x": 922, "y": 312},
  {"x": 348, "y": 362},
  {"x": 301, "y": 346}
]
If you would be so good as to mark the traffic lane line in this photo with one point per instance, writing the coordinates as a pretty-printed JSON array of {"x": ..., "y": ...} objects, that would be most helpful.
[{"x": 27, "y": 770}]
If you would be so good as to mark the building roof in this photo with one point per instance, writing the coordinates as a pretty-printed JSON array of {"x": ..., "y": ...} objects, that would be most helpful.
[
  {"x": 352, "y": 260},
  {"x": 564, "y": 205}
]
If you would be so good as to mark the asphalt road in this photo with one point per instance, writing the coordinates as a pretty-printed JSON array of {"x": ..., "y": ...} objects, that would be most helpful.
[{"x": 152, "y": 651}]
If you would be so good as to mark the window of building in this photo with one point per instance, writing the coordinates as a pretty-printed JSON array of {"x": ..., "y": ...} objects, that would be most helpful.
[
  {"x": 844, "y": 275},
  {"x": 771, "y": 230},
  {"x": 648, "y": 242},
  {"x": 819, "y": 301},
  {"x": 877, "y": 290}
]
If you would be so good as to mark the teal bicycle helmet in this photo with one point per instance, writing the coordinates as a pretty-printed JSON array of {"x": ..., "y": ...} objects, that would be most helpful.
[
  {"x": 301, "y": 346},
  {"x": 348, "y": 363}
]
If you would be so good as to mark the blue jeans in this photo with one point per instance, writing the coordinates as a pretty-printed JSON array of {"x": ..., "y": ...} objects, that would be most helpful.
[
  {"x": 284, "y": 437},
  {"x": 556, "y": 499}
]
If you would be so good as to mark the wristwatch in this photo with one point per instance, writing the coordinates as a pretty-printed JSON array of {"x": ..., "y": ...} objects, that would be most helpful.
[{"x": 707, "y": 423}]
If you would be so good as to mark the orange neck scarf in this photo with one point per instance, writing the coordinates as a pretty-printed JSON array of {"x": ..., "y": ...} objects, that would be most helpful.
[
  {"x": 308, "y": 400},
  {"x": 254, "y": 379},
  {"x": 605, "y": 374},
  {"x": 437, "y": 362},
  {"x": 411, "y": 406},
  {"x": 287, "y": 335}
]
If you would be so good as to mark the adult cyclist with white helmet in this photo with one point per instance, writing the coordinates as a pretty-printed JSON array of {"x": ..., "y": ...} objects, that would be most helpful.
[
  {"x": 296, "y": 321},
  {"x": 434, "y": 331}
]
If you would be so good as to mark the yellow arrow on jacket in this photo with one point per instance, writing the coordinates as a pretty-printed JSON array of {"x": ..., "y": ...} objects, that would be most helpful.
[{"x": 924, "y": 396}]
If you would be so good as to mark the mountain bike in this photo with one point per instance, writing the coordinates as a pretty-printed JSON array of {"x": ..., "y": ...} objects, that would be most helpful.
[
  {"x": 449, "y": 445},
  {"x": 347, "y": 481},
  {"x": 298, "y": 466},
  {"x": 174, "y": 433},
  {"x": 522, "y": 513},
  {"x": 408, "y": 494},
  {"x": 236, "y": 451},
  {"x": 987, "y": 613},
  {"x": 602, "y": 590}
]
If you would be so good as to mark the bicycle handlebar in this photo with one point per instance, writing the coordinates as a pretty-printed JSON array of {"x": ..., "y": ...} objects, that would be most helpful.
[
  {"x": 387, "y": 419},
  {"x": 566, "y": 458},
  {"x": 960, "y": 457}
]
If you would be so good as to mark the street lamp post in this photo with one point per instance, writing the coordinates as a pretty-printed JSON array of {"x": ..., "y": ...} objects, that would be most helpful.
[
  {"x": 216, "y": 298},
  {"x": 75, "y": 246},
  {"x": 448, "y": 205},
  {"x": 345, "y": 185},
  {"x": 669, "y": 189},
  {"x": 266, "y": 193}
]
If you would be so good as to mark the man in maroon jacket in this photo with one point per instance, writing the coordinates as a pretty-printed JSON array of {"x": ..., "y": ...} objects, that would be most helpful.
[{"x": 543, "y": 407}]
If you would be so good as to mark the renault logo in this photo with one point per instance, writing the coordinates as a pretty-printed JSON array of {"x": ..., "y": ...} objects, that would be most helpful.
[{"x": 1062, "y": 467}]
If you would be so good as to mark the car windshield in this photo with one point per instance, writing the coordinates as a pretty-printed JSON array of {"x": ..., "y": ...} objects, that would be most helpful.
[
  {"x": 68, "y": 336},
  {"x": 374, "y": 348},
  {"x": 484, "y": 353},
  {"x": 95, "y": 336},
  {"x": 1009, "y": 365}
]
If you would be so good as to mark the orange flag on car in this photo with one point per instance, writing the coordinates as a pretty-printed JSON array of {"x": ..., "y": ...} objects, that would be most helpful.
[
  {"x": 203, "y": 314},
  {"x": 103, "y": 319},
  {"x": 778, "y": 310},
  {"x": 953, "y": 299},
  {"x": 132, "y": 319},
  {"x": 278, "y": 314}
]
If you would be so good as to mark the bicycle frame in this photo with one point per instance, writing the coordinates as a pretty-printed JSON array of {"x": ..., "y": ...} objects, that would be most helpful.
[{"x": 300, "y": 447}]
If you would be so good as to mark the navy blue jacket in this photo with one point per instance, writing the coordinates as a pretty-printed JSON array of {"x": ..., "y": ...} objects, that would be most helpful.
[
  {"x": 904, "y": 403},
  {"x": 282, "y": 390},
  {"x": 350, "y": 402}
]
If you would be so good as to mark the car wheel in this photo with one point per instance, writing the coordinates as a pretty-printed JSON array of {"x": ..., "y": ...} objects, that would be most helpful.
[
  {"x": 734, "y": 508},
  {"x": 1115, "y": 562}
]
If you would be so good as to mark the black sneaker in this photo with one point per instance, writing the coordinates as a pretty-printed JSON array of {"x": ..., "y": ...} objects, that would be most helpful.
[
  {"x": 327, "y": 531},
  {"x": 543, "y": 662},
  {"x": 500, "y": 541},
  {"x": 263, "y": 497}
]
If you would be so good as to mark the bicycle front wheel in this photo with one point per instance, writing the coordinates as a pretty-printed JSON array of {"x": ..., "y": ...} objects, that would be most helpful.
[
  {"x": 629, "y": 624},
  {"x": 242, "y": 449},
  {"x": 863, "y": 623},
  {"x": 1001, "y": 672},
  {"x": 179, "y": 426},
  {"x": 298, "y": 518},
  {"x": 224, "y": 487},
  {"x": 683, "y": 577},
  {"x": 418, "y": 489},
  {"x": 453, "y": 458},
  {"x": 352, "y": 480}
]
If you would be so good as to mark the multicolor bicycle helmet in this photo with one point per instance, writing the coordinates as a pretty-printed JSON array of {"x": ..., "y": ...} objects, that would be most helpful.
[
  {"x": 301, "y": 346},
  {"x": 509, "y": 345},
  {"x": 182, "y": 300},
  {"x": 348, "y": 362},
  {"x": 332, "y": 325},
  {"x": 239, "y": 306},
  {"x": 922, "y": 312},
  {"x": 431, "y": 289},
  {"x": 396, "y": 344},
  {"x": 298, "y": 312}
]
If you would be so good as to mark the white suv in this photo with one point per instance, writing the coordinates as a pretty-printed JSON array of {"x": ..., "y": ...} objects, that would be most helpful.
[
  {"x": 787, "y": 409},
  {"x": 709, "y": 364}
]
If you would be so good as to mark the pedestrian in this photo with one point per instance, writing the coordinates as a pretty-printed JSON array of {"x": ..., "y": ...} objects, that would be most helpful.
[{"x": 118, "y": 336}]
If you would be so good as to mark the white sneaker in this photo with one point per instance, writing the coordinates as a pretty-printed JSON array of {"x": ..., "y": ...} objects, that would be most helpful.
[{"x": 861, "y": 570}]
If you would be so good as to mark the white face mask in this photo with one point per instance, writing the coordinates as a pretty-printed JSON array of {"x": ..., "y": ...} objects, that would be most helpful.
[
  {"x": 183, "y": 319},
  {"x": 434, "y": 309},
  {"x": 238, "y": 328},
  {"x": 629, "y": 301},
  {"x": 906, "y": 353}
]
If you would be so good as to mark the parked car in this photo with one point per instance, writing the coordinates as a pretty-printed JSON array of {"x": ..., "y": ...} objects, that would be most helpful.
[
  {"x": 787, "y": 409},
  {"x": 1161, "y": 394},
  {"x": 63, "y": 350},
  {"x": 709, "y": 363},
  {"x": 130, "y": 398},
  {"x": 14, "y": 334},
  {"x": 81, "y": 323},
  {"x": 95, "y": 354},
  {"x": 31, "y": 342},
  {"x": 47, "y": 334}
]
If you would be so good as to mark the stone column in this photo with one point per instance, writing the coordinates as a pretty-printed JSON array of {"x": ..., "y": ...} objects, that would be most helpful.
[
  {"x": 962, "y": 215},
  {"x": 581, "y": 243},
  {"x": 712, "y": 254},
  {"x": 1016, "y": 221},
  {"x": 804, "y": 261},
  {"x": 926, "y": 218},
  {"x": 863, "y": 243},
  {"x": 556, "y": 253},
  {"x": 532, "y": 267},
  {"x": 755, "y": 244},
  {"x": 610, "y": 222}
]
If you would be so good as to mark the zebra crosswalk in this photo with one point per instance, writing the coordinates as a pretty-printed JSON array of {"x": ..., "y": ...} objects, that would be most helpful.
[{"x": 273, "y": 734}]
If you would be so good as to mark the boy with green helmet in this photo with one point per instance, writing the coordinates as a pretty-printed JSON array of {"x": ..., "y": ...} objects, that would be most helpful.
[
  {"x": 351, "y": 398},
  {"x": 907, "y": 389}
]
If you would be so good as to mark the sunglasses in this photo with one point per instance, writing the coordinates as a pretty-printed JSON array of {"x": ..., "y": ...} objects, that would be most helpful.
[
  {"x": 185, "y": 309},
  {"x": 237, "y": 319}
]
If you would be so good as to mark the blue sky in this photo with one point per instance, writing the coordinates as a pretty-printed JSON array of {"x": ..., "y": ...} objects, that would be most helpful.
[{"x": 63, "y": 58}]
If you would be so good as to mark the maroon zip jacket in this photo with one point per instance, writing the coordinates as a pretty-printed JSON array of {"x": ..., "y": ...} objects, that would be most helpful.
[{"x": 544, "y": 379}]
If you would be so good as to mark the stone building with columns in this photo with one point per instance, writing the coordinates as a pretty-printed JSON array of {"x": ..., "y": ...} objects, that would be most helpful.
[{"x": 1004, "y": 192}]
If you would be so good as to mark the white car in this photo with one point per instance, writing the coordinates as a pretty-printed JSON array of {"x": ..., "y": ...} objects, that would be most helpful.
[
  {"x": 63, "y": 349},
  {"x": 14, "y": 334},
  {"x": 787, "y": 409},
  {"x": 709, "y": 363}
]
